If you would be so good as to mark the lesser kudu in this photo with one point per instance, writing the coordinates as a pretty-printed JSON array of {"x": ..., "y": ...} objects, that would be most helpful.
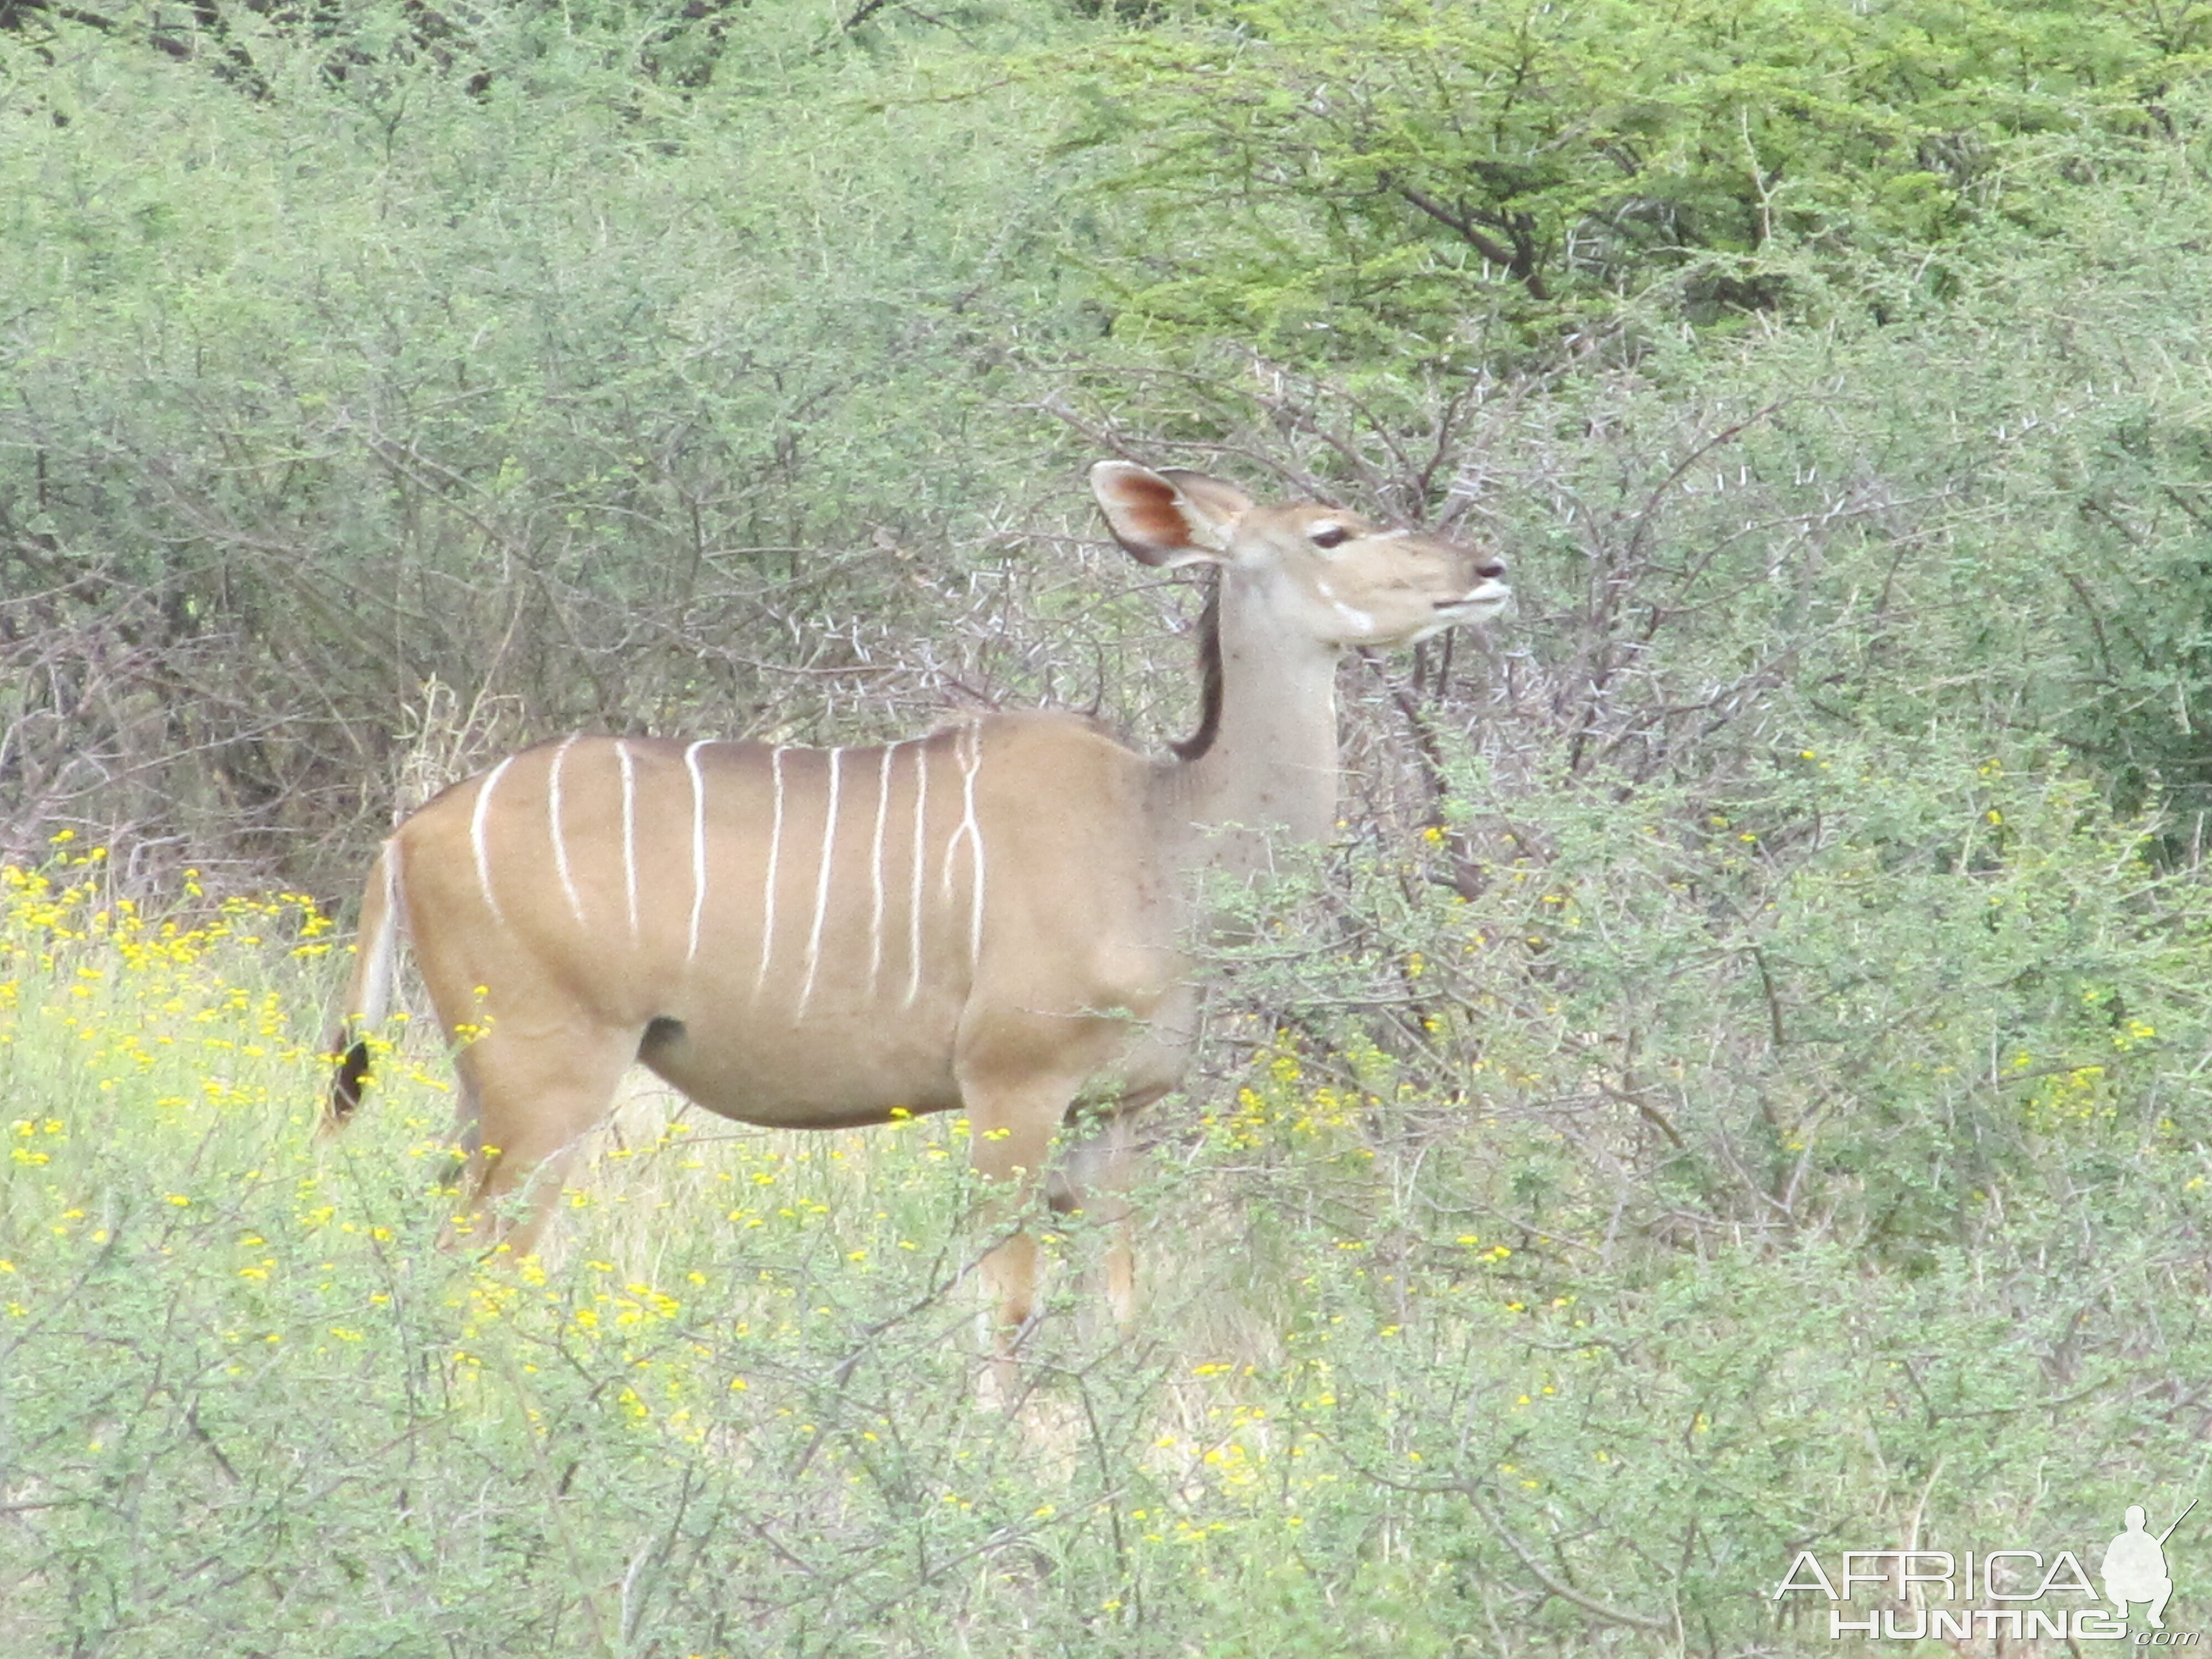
[{"x": 995, "y": 918}]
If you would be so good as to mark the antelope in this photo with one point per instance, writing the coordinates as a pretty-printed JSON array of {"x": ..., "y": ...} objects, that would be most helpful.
[{"x": 995, "y": 918}]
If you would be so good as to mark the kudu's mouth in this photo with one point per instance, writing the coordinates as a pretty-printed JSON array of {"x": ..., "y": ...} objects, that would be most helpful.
[{"x": 1486, "y": 598}]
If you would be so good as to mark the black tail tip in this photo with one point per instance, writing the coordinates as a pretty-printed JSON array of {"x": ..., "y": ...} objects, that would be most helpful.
[{"x": 346, "y": 1087}]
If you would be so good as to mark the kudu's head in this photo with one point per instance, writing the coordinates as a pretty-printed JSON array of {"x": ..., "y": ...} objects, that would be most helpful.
[{"x": 1337, "y": 577}]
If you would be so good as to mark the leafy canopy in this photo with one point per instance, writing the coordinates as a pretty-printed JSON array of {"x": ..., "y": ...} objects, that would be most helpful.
[{"x": 1417, "y": 176}]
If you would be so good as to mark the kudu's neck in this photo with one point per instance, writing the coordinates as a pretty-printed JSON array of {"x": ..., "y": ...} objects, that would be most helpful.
[{"x": 1264, "y": 760}]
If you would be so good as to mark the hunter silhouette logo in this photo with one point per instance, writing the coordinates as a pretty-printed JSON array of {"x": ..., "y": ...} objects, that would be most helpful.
[
  {"x": 2135, "y": 1566},
  {"x": 2023, "y": 1594}
]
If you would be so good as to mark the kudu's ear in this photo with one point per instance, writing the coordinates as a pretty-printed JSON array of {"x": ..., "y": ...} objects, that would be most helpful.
[{"x": 1170, "y": 518}]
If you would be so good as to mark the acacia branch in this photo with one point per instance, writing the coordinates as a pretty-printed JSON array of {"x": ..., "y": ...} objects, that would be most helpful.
[{"x": 1519, "y": 260}]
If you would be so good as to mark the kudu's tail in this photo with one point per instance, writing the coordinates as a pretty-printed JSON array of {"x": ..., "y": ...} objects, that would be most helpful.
[{"x": 369, "y": 996}]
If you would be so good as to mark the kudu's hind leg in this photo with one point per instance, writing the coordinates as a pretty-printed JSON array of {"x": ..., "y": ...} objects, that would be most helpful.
[{"x": 536, "y": 1095}]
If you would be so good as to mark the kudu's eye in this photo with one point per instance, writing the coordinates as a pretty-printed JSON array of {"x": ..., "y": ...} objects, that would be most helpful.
[{"x": 1328, "y": 535}]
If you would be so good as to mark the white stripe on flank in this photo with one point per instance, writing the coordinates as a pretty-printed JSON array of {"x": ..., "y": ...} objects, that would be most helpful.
[
  {"x": 822, "y": 884},
  {"x": 959, "y": 829},
  {"x": 560, "y": 841},
  {"x": 476, "y": 837},
  {"x": 698, "y": 845},
  {"x": 768, "y": 891},
  {"x": 629, "y": 831},
  {"x": 920, "y": 859},
  {"x": 876, "y": 869},
  {"x": 971, "y": 761}
]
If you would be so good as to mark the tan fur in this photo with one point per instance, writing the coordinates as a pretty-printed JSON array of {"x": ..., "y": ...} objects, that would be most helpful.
[{"x": 992, "y": 919}]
